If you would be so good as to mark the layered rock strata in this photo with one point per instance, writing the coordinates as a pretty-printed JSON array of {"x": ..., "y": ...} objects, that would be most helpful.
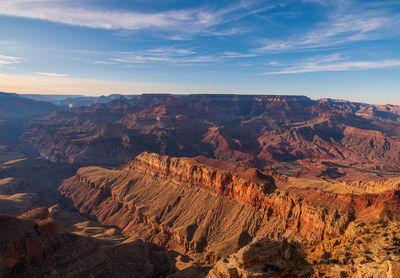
[{"x": 183, "y": 204}]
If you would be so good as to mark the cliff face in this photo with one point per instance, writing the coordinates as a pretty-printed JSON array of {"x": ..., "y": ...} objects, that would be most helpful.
[
  {"x": 55, "y": 243},
  {"x": 249, "y": 187},
  {"x": 33, "y": 246},
  {"x": 184, "y": 204}
]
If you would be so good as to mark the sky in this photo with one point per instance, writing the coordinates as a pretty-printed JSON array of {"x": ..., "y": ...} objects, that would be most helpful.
[{"x": 343, "y": 49}]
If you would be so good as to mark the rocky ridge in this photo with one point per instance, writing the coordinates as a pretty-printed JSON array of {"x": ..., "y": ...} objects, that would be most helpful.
[
  {"x": 182, "y": 204},
  {"x": 293, "y": 134}
]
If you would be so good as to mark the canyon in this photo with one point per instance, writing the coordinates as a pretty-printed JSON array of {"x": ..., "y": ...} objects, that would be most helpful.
[
  {"x": 198, "y": 185},
  {"x": 294, "y": 135}
]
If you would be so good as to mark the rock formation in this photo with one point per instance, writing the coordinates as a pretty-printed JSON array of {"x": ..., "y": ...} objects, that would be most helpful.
[
  {"x": 37, "y": 244},
  {"x": 292, "y": 134},
  {"x": 263, "y": 258},
  {"x": 183, "y": 204}
]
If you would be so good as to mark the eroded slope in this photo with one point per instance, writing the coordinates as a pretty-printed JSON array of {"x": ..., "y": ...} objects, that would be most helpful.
[{"x": 186, "y": 205}]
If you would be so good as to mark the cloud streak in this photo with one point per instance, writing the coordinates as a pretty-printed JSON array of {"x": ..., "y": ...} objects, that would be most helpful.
[
  {"x": 52, "y": 74},
  {"x": 335, "y": 63},
  {"x": 173, "y": 55},
  {"x": 342, "y": 26},
  {"x": 186, "y": 21},
  {"x": 7, "y": 60}
]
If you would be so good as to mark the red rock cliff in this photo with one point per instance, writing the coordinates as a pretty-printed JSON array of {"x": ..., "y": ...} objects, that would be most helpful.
[
  {"x": 249, "y": 187},
  {"x": 182, "y": 202}
]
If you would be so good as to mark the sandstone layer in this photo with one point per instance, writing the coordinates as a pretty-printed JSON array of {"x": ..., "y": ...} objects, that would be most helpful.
[{"x": 183, "y": 204}]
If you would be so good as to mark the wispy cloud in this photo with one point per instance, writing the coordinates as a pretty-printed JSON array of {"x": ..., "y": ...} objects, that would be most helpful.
[
  {"x": 52, "y": 74},
  {"x": 79, "y": 13},
  {"x": 335, "y": 63},
  {"x": 7, "y": 60},
  {"x": 103, "y": 62},
  {"x": 231, "y": 54},
  {"x": 162, "y": 55},
  {"x": 133, "y": 58},
  {"x": 343, "y": 25},
  {"x": 173, "y": 55}
]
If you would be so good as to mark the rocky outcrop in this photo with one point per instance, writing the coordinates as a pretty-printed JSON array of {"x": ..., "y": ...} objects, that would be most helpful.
[
  {"x": 193, "y": 207},
  {"x": 33, "y": 246},
  {"x": 37, "y": 244},
  {"x": 263, "y": 258},
  {"x": 365, "y": 250}
]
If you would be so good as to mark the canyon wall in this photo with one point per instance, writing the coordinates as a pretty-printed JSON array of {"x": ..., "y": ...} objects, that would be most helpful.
[
  {"x": 292, "y": 134},
  {"x": 182, "y": 204}
]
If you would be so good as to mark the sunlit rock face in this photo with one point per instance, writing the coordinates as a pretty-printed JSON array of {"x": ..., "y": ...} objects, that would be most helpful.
[{"x": 184, "y": 204}]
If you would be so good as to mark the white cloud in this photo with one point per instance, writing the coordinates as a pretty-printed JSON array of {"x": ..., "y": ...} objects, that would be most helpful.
[
  {"x": 163, "y": 55},
  {"x": 347, "y": 22},
  {"x": 61, "y": 12},
  {"x": 78, "y": 13},
  {"x": 335, "y": 63},
  {"x": 173, "y": 55},
  {"x": 7, "y": 60},
  {"x": 103, "y": 62},
  {"x": 51, "y": 74},
  {"x": 232, "y": 54}
]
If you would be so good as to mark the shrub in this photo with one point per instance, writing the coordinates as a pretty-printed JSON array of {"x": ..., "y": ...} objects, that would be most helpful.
[
  {"x": 326, "y": 255},
  {"x": 383, "y": 224},
  {"x": 333, "y": 261}
]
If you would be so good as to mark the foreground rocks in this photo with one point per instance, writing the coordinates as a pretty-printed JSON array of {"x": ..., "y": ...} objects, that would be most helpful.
[
  {"x": 262, "y": 259},
  {"x": 39, "y": 244}
]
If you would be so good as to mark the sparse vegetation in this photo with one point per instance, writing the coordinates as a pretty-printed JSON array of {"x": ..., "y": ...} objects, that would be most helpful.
[
  {"x": 383, "y": 223},
  {"x": 326, "y": 255},
  {"x": 367, "y": 259}
]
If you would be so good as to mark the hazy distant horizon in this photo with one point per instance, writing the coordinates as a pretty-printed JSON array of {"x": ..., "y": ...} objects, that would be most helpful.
[{"x": 66, "y": 96}]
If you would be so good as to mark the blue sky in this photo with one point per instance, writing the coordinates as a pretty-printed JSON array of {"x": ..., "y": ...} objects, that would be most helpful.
[{"x": 340, "y": 49}]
